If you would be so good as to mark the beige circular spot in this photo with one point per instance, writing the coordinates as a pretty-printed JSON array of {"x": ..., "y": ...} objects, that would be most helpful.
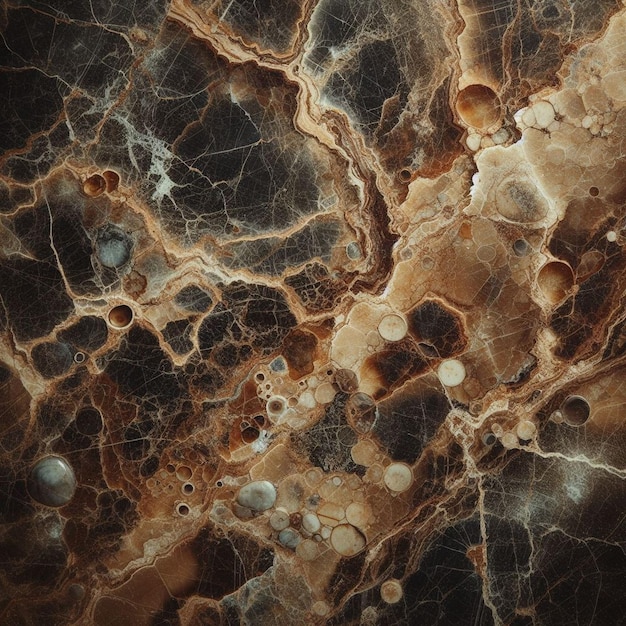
[
  {"x": 330, "y": 513},
  {"x": 392, "y": 328},
  {"x": 509, "y": 440},
  {"x": 398, "y": 477},
  {"x": 347, "y": 540},
  {"x": 307, "y": 550},
  {"x": 526, "y": 430},
  {"x": 364, "y": 453},
  {"x": 320, "y": 608},
  {"x": 451, "y": 372},
  {"x": 325, "y": 393},
  {"x": 473, "y": 142},
  {"x": 486, "y": 253},
  {"x": 544, "y": 113},
  {"x": 374, "y": 473},
  {"x": 391, "y": 591},
  {"x": 279, "y": 520},
  {"x": 358, "y": 514}
]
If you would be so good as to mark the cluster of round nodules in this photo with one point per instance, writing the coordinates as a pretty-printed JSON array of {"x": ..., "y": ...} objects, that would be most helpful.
[
  {"x": 540, "y": 115},
  {"x": 174, "y": 488},
  {"x": 303, "y": 530},
  {"x": 291, "y": 402},
  {"x": 522, "y": 433}
]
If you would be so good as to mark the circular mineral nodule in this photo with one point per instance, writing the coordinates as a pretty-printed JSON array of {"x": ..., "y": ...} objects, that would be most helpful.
[
  {"x": 259, "y": 495},
  {"x": 289, "y": 538},
  {"x": 113, "y": 247},
  {"x": 392, "y": 327},
  {"x": 451, "y": 372},
  {"x": 94, "y": 186},
  {"x": 555, "y": 280},
  {"x": 112, "y": 180},
  {"x": 279, "y": 520},
  {"x": 52, "y": 481},
  {"x": 89, "y": 421},
  {"x": 121, "y": 316},
  {"x": 275, "y": 406},
  {"x": 347, "y": 540},
  {"x": 391, "y": 591},
  {"x": 478, "y": 106},
  {"x": 398, "y": 477},
  {"x": 575, "y": 410}
]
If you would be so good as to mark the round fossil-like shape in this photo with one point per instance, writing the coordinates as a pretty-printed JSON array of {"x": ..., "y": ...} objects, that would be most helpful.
[
  {"x": 575, "y": 410},
  {"x": 478, "y": 106},
  {"x": 347, "y": 540},
  {"x": 555, "y": 280},
  {"x": 259, "y": 495},
  {"x": 121, "y": 316},
  {"x": 52, "y": 481},
  {"x": 289, "y": 538},
  {"x": 398, "y": 477},
  {"x": 392, "y": 327},
  {"x": 451, "y": 372},
  {"x": 391, "y": 591},
  {"x": 94, "y": 186},
  {"x": 113, "y": 247}
]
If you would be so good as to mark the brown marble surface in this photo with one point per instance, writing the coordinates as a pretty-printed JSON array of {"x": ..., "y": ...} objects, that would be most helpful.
[{"x": 312, "y": 312}]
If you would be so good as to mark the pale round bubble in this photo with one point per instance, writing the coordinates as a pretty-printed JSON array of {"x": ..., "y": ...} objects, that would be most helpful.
[
  {"x": 451, "y": 372},
  {"x": 347, "y": 540},
  {"x": 391, "y": 591},
  {"x": 392, "y": 327},
  {"x": 398, "y": 477}
]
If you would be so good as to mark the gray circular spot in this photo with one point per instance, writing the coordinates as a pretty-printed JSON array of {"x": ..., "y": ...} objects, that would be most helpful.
[
  {"x": 52, "y": 481},
  {"x": 113, "y": 247}
]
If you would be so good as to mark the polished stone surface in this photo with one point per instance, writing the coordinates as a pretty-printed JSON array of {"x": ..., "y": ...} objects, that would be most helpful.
[{"x": 320, "y": 303}]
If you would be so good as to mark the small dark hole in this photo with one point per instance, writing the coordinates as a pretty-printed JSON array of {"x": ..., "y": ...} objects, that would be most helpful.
[
  {"x": 248, "y": 435},
  {"x": 89, "y": 421},
  {"x": 188, "y": 488},
  {"x": 404, "y": 175},
  {"x": 219, "y": 483},
  {"x": 489, "y": 439},
  {"x": 183, "y": 509},
  {"x": 594, "y": 192},
  {"x": 576, "y": 410}
]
